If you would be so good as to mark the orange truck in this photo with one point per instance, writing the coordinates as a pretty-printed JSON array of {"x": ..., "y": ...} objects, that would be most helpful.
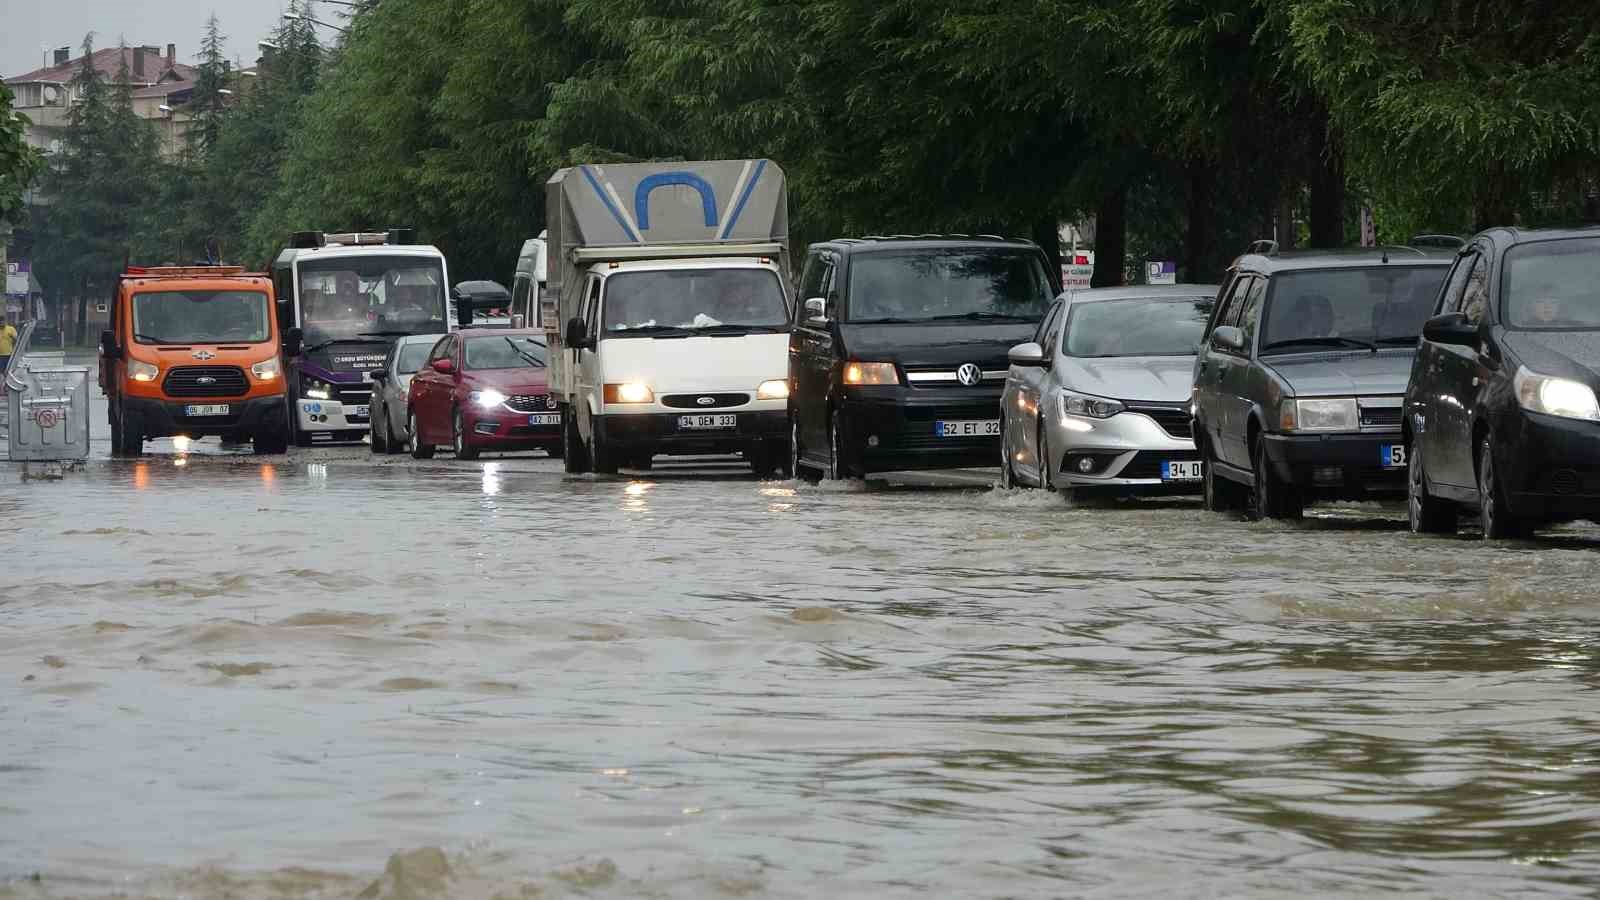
[{"x": 194, "y": 351}]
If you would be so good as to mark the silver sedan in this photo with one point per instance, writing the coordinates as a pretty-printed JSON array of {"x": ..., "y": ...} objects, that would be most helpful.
[
  {"x": 390, "y": 387},
  {"x": 1098, "y": 402}
]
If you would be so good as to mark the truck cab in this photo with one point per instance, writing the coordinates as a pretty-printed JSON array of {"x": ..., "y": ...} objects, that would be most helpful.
[
  {"x": 193, "y": 351},
  {"x": 345, "y": 298},
  {"x": 666, "y": 307}
]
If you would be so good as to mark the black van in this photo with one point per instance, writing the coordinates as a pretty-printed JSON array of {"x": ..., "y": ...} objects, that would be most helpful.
[{"x": 898, "y": 354}]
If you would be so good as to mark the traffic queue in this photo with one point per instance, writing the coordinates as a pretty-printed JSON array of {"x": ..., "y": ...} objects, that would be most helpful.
[{"x": 657, "y": 316}]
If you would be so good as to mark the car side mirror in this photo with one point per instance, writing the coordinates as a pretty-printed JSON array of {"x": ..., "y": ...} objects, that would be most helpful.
[
  {"x": 519, "y": 321},
  {"x": 577, "y": 336},
  {"x": 1450, "y": 328},
  {"x": 1227, "y": 337},
  {"x": 1028, "y": 354},
  {"x": 378, "y": 374},
  {"x": 444, "y": 366},
  {"x": 816, "y": 311},
  {"x": 293, "y": 340},
  {"x": 108, "y": 344}
]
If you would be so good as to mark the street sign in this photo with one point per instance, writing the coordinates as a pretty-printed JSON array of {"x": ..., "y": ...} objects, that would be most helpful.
[
  {"x": 1077, "y": 271},
  {"x": 1161, "y": 271}
]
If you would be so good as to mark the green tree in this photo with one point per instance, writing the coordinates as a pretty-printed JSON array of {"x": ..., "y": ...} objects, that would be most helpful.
[
  {"x": 98, "y": 185},
  {"x": 1460, "y": 111},
  {"x": 19, "y": 164}
]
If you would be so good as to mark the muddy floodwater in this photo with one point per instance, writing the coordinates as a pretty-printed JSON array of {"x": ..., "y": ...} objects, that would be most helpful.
[{"x": 325, "y": 675}]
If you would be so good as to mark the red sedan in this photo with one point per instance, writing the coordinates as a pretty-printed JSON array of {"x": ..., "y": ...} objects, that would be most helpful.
[{"x": 484, "y": 389}]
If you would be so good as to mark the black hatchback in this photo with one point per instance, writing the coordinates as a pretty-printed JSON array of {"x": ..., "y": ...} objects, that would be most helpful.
[
  {"x": 898, "y": 354},
  {"x": 1501, "y": 411}
]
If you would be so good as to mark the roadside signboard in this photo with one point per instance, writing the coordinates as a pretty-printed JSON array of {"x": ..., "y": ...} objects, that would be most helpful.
[
  {"x": 1077, "y": 270},
  {"x": 1161, "y": 271}
]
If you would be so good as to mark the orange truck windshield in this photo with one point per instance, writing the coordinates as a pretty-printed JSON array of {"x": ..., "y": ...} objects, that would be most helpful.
[{"x": 201, "y": 317}]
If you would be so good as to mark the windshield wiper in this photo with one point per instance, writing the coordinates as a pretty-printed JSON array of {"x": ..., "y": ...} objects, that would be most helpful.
[
  {"x": 649, "y": 331},
  {"x": 885, "y": 320},
  {"x": 534, "y": 361},
  {"x": 331, "y": 341},
  {"x": 1321, "y": 342},
  {"x": 982, "y": 317},
  {"x": 739, "y": 329},
  {"x": 153, "y": 339},
  {"x": 1398, "y": 340}
]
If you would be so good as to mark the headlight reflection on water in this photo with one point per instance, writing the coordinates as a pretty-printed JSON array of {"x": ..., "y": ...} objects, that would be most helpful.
[
  {"x": 634, "y": 496},
  {"x": 491, "y": 479}
]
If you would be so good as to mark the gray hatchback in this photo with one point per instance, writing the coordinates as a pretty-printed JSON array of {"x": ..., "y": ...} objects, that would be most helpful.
[{"x": 1299, "y": 386}]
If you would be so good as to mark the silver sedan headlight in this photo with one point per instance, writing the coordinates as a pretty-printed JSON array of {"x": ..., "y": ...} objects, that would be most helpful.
[
  {"x": 1320, "y": 414},
  {"x": 1088, "y": 405}
]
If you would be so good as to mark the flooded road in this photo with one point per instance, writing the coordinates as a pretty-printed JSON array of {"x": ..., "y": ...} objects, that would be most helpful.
[{"x": 324, "y": 675}]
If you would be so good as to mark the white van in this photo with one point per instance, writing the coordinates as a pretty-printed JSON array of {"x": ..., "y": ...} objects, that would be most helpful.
[{"x": 674, "y": 323}]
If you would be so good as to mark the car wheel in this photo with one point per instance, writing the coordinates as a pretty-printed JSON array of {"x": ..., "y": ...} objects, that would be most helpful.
[
  {"x": 1008, "y": 477},
  {"x": 1428, "y": 514},
  {"x": 1493, "y": 514},
  {"x": 378, "y": 430},
  {"x": 458, "y": 433},
  {"x": 1047, "y": 475},
  {"x": 1274, "y": 499},
  {"x": 1221, "y": 494},
  {"x": 838, "y": 468},
  {"x": 116, "y": 429},
  {"x": 798, "y": 467},
  {"x": 131, "y": 425},
  {"x": 414, "y": 443},
  {"x": 575, "y": 458},
  {"x": 602, "y": 458}
]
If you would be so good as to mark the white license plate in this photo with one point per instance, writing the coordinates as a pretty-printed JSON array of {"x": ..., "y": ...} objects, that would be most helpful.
[
  {"x": 704, "y": 422},
  {"x": 545, "y": 419},
  {"x": 357, "y": 412},
  {"x": 1182, "y": 470},
  {"x": 1393, "y": 455},
  {"x": 968, "y": 428},
  {"x": 219, "y": 409}
]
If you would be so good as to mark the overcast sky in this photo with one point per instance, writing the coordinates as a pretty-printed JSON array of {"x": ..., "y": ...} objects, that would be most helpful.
[{"x": 30, "y": 27}]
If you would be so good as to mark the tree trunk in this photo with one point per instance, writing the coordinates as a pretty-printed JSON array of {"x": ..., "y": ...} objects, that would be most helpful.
[
  {"x": 82, "y": 327},
  {"x": 1492, "y": 207},
  {"x": 1288, "y": 232},
  {"x": 1111, "y": 239},
  {"x": 1047, "y": 235},
  {"x": 1327, "y": 194},
  {"x": 1200, "y": 238}
]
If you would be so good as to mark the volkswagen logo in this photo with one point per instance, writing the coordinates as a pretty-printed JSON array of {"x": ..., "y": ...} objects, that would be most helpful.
[
  {"x": 706, "y": 401},
  {"x": 206, "y": 379},
  {"x": 969, "y": 375},
  {"x": 204, "y": 355}
]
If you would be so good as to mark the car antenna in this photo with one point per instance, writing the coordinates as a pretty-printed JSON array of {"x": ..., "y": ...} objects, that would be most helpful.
[{"x": 1386, "y": 256}]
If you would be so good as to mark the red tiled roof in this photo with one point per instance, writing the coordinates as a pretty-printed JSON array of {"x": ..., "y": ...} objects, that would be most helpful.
[
  {"x": 163, "y": 89},
  {"x": 107, "y": 62}
]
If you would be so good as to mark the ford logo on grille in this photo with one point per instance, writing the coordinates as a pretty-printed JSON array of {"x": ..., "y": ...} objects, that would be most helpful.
[
  {"x": 205, "y": 379},
  {"x": 969, "y": 375},
  {"x": 706, "y": 401}
]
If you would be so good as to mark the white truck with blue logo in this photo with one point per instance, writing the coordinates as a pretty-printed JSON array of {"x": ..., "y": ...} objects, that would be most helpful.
[
  {"x": 343, "y": 300},
  {"x": 666, "y": 306}
]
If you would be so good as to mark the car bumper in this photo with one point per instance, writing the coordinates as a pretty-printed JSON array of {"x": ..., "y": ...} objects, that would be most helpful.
[
  {"x": 1346, "y": 466},
  {"x": 1128, "y": 453},
  {"x": 662, "y": 432},
  {"x": 897, "y": 429},
  {"x": 332, "y": 416},
  {"x": 1550, "y": 466},
  {"x": 250, "y": 416},
  {"x": 505, "y": 430}
]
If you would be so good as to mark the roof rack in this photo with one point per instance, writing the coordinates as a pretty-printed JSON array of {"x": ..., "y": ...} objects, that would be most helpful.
[
  {"x": 1265, "y": 247},
  {"x": 316, "y": 240},
  {"x": 1388, "y": 247},
  {"x": 1449, "y": 241},
  {"x": 180, "y": 271}
]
